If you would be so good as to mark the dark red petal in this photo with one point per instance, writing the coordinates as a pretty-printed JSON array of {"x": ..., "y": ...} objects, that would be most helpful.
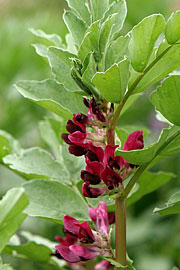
[
  {"x": 134, "y": 141},
  {"x": 77, "y": 150},
  {"x": 68, "y": 240},
  {"x": 91, "y": 192},
  {"x": 111, "y": 217},
  {"x": 86, "y": 102},
  {"x": 89, "y": 177},
  {"x": 64, "y": 136},
  {"x": 85, "y": 234},
  {"x": 68, "y": 254},
  {"x": 110, "y": 178},
  {"x": 71, "y": 224},
  {"x": 95, "y": 167},
  {"x": 72, "y": 127}
]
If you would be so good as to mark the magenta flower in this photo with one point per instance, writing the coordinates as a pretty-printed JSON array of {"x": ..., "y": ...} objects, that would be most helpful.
[
  {"x": 104, "y": 265},
  {"x": 81, "y": 243},
  {"x": 134, "y": 141}
]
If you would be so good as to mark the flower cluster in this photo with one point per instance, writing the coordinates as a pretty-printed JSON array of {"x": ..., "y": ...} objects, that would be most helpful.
[
  {"x": 82, "y": 243},
  {"x": 102, "y": 166}
]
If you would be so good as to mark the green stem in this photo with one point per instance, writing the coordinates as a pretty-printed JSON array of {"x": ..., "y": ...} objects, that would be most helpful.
[{"x": 120, "y": 240}]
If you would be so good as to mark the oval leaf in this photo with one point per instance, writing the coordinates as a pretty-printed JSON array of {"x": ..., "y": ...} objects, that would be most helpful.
[
  {"x": 172, "y": 31},
  {"x": 144, "y": 36}
]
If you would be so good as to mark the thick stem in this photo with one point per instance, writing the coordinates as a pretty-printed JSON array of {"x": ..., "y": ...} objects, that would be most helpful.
[{"x": 120, "y": 240}]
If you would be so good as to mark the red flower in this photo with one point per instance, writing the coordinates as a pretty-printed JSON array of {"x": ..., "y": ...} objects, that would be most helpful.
[
  {"x": 134, "y": 141},
  {"x": 73, "y": 248}
]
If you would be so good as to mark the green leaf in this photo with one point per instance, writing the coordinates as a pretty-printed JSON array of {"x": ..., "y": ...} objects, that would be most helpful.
[
  {"x": 124, "y": 131},
  {"x": 147, "y": 183},
  {"x": 7, "y": 144},
  {"x": 166, "y": 99},
  {"x": 9, "y": 179},
  {"x": 5, "y": 266},
  {"x": 37, "y": 163},
  {"x": 116, "y": 50},
  {"x": 112, "y": 83},
  {"x": 52, "y": 96},
  {"x": 71, "y": 47},
  {"x": 89, "y": 73},
  {"x": 143, "y": 38},
  {"x": 72, "y": 164},
  {"x": 41, "y": 49},
  {"x": 11, "y": 217},
  {"x": 52, "y": 200},
  {"x": 61, "y": 65},
  {"x": 166, "y": 64},
  {"x": 80, "y": 8},
  {"x": 118, "y": 8},
  {"x": 75, "y": 26},
  {"x": 172, "y": 31},
  {"x": 36, "y": 248},
  {"x": 131, "y": 100},
  {"x": 54, "y": 38},
  {"x": 172, "y": 206},
  {"x": 51, "y": 130},
  {"x": 99, "y": 7},
  {"x": 173, "y": 147},
  {"x": 90, "y": 42},
  {"x": 105, "y": 35},
  {"x": 145, "y": 155}
]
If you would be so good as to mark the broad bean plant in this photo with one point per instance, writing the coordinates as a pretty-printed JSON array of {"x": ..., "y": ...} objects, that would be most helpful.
[{"x": 93, "y": 169}]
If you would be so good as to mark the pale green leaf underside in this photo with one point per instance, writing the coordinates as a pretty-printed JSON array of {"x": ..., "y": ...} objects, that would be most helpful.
[
  {"x": 52, "y": 200},
  {"x": 11, "y": 217},
  {"x": 54, "y": 38},
  {"x": 166, "y": 99},
  {"x": 52, "y": 96},
  {"x": 37, "y": 163},
  {"x": 7, "y": 144}
]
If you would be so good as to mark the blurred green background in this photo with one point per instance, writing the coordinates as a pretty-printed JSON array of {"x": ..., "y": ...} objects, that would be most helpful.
[{"x": 153, "y": 241}]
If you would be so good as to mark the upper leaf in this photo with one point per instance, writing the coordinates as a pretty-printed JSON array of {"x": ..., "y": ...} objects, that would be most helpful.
[
  {"x": 80, "y": 8},
  {"x": 167, "y": 61},
  {"x": 166, "y": 99},
  {"x": 54, "y": 38},
  {"x": 120, "y": 9},
  {"x": 75, "y": 26},
  {"x": 116, "y": 51},
  {"x": 61, "y": 65},
  {"x": 11, "y": 217},
  {"x": 143, "y": 38},
  {"x": 37, "y": 163},
  {"x": 172, "y": 31},
  {"x": 98, "y": 7},
  {"x": 90, "y": 42},
  {"x": 52, "y": 200},
  {"x": 52, "y": 96},
  {"x": 112, "y": 83},
  {"x": 172, "y": 206}
]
